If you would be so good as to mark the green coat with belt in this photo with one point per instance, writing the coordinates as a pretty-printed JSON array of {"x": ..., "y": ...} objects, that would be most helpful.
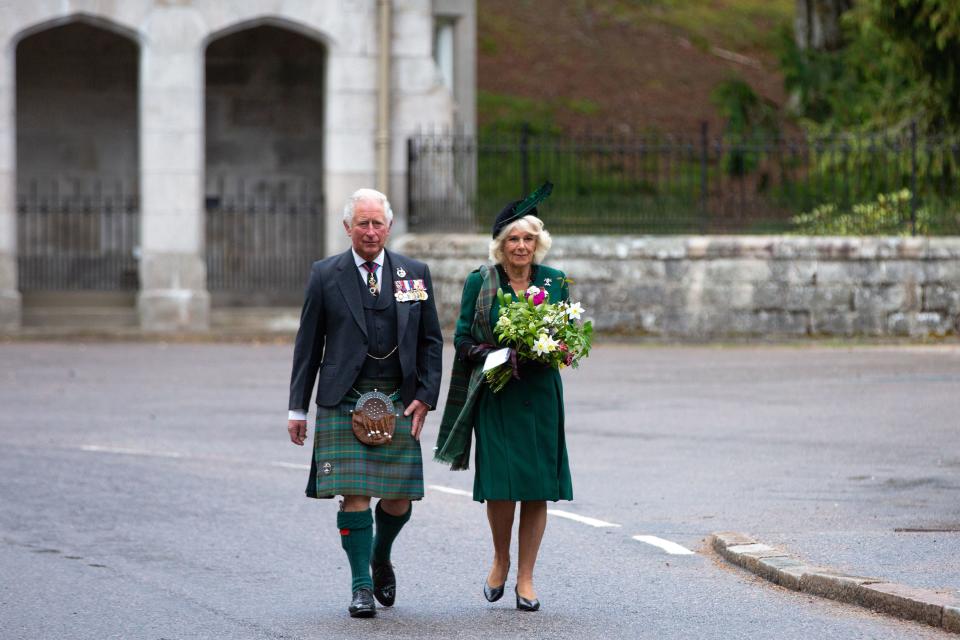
[{"x": 521, "y": 451}]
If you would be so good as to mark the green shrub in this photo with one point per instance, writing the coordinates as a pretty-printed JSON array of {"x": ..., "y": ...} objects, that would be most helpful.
[{"x": 888, "y": 215}]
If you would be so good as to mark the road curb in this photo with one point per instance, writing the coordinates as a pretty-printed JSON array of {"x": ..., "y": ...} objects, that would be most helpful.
[{"x": 936, "y": 608}]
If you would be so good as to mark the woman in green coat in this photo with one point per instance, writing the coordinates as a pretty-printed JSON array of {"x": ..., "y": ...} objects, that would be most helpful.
[{"x": 521, "y": 451}]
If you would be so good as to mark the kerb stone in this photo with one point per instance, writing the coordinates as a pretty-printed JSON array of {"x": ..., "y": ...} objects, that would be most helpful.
[
  {"x": 771, "y": 567},
  {"x": 731, "y": 539},
  {"x": 951, "y": 617},
  {"x": 748, "y": 556},
  {"x": 906, "y": 602},
  {"x": 836, "y": 586},
  {"x": 791, "y": 576}
]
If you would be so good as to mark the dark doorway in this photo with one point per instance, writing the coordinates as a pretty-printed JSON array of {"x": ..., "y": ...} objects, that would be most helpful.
[
  {"x": 264, "y": 164},
  {"x": 77, "y": 160}
]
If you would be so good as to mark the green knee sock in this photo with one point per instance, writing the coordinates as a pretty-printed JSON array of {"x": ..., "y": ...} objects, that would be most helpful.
[
  {"x": 356, "y": 532},
  {"x": 388, "y": 527}
]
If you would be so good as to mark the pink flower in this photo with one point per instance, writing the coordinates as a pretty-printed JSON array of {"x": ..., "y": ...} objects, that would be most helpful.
[{"x": 536, "y": 294}]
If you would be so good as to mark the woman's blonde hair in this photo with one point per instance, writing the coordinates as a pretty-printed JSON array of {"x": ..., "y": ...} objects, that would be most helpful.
[{"x": 527, "y": 224}]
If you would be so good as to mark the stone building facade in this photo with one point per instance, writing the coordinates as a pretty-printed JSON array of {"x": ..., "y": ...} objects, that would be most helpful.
[{"x": 159, "y": 130}]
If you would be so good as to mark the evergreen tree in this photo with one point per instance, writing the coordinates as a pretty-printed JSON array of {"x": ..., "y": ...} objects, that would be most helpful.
[{"x": 900, "y": 62}]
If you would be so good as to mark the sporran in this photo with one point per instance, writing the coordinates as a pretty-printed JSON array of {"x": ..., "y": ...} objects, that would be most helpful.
[{"x": 373, "y": 419}]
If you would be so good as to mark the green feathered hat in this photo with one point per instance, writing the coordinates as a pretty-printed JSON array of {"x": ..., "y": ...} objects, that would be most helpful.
[{"x": 519, "y": 208}]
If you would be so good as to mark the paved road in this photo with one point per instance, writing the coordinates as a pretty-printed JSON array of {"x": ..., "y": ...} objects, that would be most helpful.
[{"x": 147, "y": 491}]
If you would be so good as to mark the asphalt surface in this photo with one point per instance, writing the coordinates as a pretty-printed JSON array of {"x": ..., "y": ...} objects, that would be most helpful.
[{"x": 149, "y": 491}]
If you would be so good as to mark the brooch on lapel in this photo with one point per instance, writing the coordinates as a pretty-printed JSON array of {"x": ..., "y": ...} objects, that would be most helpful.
[
  {"x": 409, "y": 290},
  {"x": 400, "y": 272}
]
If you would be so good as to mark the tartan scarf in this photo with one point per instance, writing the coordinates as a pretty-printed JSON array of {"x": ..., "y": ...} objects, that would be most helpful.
[{"x": 459, "y": 414}]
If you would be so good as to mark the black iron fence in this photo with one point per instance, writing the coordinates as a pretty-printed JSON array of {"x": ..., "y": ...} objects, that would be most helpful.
[
  {"x": 699, "y": 183},
  {"x": 262, "y": 235},
  {"x": 77, "y": 235},
  {"x": 73, "y": 234}
]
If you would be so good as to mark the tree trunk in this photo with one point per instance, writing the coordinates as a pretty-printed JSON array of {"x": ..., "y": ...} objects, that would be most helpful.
[{"x": 817, "y": 24}]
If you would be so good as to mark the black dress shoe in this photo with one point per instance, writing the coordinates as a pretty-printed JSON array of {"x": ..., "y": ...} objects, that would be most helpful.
[
  {"x": 526, "y": 605},
  {"x": 362, "y": 605},
  {"x": 384, "y": 582},
  {"x": 492, "y": 594}
]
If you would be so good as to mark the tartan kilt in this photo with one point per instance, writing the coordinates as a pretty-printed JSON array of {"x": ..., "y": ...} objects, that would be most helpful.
[{"x": 344, "y": 466}]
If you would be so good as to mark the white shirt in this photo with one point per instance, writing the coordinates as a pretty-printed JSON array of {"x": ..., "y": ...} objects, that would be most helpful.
[{"x": 295, "y": 414}]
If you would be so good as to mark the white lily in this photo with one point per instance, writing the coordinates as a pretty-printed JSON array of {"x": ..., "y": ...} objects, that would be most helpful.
[
  {"x": 574, "y": 311},
  {"x": 544, "y": 344}
]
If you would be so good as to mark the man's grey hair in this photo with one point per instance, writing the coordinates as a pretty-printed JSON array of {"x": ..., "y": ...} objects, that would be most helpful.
[{"x": 366, "y": 194}]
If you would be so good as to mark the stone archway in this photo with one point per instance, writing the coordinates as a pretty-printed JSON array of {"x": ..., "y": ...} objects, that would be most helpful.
[
  {"x": 264, "y": 163},
  {"x": 77, "y": 147}
]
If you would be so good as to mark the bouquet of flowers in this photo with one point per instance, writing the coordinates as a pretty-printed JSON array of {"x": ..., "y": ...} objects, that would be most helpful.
[{"x": 540, "y": 331}]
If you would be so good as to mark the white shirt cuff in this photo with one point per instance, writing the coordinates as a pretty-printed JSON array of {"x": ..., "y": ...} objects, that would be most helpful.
[{"x": 297, "y": 415}]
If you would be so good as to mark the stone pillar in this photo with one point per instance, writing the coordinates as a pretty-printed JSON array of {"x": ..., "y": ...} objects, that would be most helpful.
[
  {"x": 9, "y": 294},
  {"x": 422, "y": 101},
  {"x": 349, "y": 157},
  {"x": 173, "y": 294}
]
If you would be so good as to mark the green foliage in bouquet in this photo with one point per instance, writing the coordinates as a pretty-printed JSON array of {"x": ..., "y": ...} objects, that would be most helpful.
[{"x": 540, "y": 331}]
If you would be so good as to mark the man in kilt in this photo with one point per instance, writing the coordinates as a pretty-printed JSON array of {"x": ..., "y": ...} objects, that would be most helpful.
[{"x": 369, "y": 322}]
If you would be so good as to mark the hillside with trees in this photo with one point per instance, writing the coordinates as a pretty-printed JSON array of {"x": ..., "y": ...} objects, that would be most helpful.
[
  {"x": 630, "y": 66},
  {"x": 819, "y": 117},
  {"x": 668, "y": 65}
]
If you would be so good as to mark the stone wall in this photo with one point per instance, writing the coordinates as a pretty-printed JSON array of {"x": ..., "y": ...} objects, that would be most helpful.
[{"x": 700, "y": 287}]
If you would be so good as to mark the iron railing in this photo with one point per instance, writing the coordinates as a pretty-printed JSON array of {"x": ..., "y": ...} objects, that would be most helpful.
[
  {"x": 262, "y": 236},
  {"x": 77, "y": 235},
  {"x": 698, "y": 183},
  {"x": 84, "y": 235}
]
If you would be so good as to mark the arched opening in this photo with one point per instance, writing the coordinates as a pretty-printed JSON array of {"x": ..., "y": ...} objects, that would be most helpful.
[
  {"x": 77, "y": 165},
  {"x": 264, "y": 164}
]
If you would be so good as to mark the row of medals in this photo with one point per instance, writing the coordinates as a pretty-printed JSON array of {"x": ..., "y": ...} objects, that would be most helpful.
[
  {"x": 401, "y": 296},
  {"x": 408, "y": 296}
]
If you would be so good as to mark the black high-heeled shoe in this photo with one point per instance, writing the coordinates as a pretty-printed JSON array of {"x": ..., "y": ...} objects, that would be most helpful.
[
  {"x": 492, "y": 594},
  {"x": 526, "y": 605}
]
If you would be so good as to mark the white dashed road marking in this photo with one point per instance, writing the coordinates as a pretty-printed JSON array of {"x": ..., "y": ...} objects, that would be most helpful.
[
  {"x": 127, "y": 451},
  {"x": 131, "y": 452},
  {"x": 451, "y": 490},
  {"x": 290, "y": 465},
  {"x": 593, "y": 522},
  {"x": 668, "y": 546}
]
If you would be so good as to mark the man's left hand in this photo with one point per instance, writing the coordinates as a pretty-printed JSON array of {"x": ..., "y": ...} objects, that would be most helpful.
[{"x": 419, "y": 411}]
